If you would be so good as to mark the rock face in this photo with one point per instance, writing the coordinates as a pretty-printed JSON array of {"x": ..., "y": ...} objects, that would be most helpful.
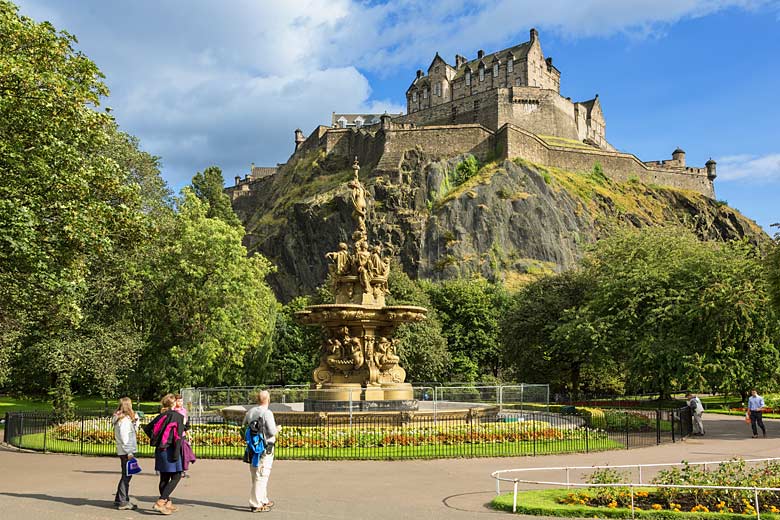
[{"x": 509, "y": 220}]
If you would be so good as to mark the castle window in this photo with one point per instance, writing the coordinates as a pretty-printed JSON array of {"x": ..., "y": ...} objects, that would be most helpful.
[
  {"x": 342, "y": 122},
  {"x": 437, "y": 89},
  {"x": 518, "y": 82},
  {"x": 425, "y": 93},
  {"x": 510, "y": 66},
  {"x": 436, "y": 69},
  {"x": 495, "y": 70},
  {"x": 454, "y": 112},
  {"x": 476, "y": 105},
  {"x": 358, "y": 121},
  {"x": 414, "y": 96},
  {"x": 482, "y": 73},
  {"x": 468, "y": 78}
]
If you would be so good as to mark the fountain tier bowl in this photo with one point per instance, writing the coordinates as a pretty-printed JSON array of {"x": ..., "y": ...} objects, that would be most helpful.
[{"x": 350, "y": 314}]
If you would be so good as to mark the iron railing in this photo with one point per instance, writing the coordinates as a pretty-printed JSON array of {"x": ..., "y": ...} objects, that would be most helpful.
[{"x": 471, "y": 432}]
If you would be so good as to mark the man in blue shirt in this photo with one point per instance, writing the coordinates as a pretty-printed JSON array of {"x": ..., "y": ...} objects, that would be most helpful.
[{"x": 755, "y": 408}]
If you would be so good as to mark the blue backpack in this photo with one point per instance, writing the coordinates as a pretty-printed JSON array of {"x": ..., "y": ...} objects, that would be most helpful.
[{"x": 255, "y": 442}]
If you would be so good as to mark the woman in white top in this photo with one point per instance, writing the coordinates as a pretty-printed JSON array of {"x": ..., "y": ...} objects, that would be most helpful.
[{"x": 125, "y": 426}]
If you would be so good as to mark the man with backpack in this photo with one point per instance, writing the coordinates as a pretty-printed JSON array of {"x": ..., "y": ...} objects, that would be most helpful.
[{"x": 260, "y": 435}]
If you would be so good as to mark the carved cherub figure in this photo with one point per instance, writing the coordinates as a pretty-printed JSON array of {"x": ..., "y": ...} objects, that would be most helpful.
[{"x": 377, "y": 266}]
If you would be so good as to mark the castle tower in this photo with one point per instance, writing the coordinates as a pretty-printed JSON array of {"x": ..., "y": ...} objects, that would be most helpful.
[
  {"x": 711, "y": 169},
  {"x": 299, "y": 138},
  {"x": 679, "y": 156}
]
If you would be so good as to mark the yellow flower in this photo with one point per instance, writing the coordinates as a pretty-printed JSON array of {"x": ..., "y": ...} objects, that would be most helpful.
[
  {"x": 657, "y": 506},
  {"x": 676, "y": 509}
]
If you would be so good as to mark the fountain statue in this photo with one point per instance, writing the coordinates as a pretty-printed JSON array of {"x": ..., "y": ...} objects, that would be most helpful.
[{"x": 358, "y": 365}]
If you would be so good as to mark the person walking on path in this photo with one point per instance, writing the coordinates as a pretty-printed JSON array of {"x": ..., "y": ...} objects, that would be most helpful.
[
  {"x": 756, "y": 410},
  {"x": 258, "y": 493},
  {"x": 125, "y": 423},
  {"x": 165, "y": 434},
  {"x": 697, "y": 409}
]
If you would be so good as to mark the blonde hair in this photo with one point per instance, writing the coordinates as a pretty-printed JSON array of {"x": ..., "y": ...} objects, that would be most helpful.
[
  {"x": 125, "y": 409},
  {"x": 167, "y": 402}
]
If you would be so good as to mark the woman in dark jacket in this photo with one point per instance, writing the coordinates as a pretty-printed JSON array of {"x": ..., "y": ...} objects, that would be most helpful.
[{"x": 165, "y": 433}]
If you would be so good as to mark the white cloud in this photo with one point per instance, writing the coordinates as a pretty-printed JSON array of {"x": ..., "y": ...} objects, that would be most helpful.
[
  {"x": 203, "y": 83},
  {"x": 764, "y": 168}
]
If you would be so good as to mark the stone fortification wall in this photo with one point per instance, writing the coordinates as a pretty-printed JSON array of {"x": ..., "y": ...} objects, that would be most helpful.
[
  {"x": 478, "y": 108},
  {"x": 541, "y": 111},
  {"x": 538, "y": 110},
  {"x": 383, "y": 150},
  {"x": 443, "y": 141},
  {"x": 616, "y": 165}
]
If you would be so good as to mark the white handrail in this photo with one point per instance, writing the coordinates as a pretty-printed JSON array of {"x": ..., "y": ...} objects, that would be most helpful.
[{"x": 515, "y": 481}]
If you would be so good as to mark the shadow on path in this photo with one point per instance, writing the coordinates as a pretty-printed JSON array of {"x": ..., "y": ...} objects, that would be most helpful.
[
  {"x": 451, "y": 502},
  {"x": 109, "y": 504}
]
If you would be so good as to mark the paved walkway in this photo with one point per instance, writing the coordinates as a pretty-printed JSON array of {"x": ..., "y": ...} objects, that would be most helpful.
[{"x": 65, "y": 487}]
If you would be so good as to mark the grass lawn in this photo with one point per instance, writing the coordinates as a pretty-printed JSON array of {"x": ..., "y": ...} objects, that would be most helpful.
[
  {"x": 11, "y": 404},
  {"x": 545, "y": 503},
  {"x": 36, "y": 442}
]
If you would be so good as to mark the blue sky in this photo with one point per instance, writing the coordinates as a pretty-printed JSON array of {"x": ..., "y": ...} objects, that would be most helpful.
[{"x": 227, "y": 83}]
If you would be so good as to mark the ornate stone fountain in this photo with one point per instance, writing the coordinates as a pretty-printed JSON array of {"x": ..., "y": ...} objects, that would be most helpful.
[{"x": 358, "y": 366}]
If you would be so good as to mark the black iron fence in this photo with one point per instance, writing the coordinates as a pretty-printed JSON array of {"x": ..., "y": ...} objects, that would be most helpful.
[{"x": 486, "y": 432}]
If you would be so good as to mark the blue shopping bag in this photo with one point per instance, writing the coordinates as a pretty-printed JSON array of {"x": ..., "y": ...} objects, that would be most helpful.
[{"x": 133, "y": 467}]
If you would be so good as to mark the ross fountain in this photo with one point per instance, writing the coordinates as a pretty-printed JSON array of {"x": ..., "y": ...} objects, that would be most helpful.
[{"x": 358, "y": 366}]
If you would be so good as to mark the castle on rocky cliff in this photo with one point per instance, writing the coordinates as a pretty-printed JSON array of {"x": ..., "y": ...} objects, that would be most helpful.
[{"x": 506, "y": 104}]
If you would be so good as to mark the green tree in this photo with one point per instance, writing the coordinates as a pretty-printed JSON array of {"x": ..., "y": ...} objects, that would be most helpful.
[
  {"x": 773, "y": 270},
  {"x": 681, "y": 312},
  {"x": 296, "y": 347},
  {"x": 64, "y": 205},
  {"x": 549, "y": 336},
  {"x": 470, "y": 311},
  {"x": 209, "y": 187},
  {"x": 422, "y": 346},
  {"x": 205, "y": 303}
]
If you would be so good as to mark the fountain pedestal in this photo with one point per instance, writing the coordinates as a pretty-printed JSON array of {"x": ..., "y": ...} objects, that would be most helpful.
[{"x": 358, "y": 363}]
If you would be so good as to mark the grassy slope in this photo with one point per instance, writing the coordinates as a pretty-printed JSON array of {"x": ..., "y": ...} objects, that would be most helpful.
[{"x": 545, "y": 503}]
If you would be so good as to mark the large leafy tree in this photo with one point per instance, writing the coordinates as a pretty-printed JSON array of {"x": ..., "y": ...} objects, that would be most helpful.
[
  {"x": 773, "y": 270},
  {"x": 470, "y": 312},
  {"x": 681, "y": 312},
  {"x": 64, "y": 205},
  {"x": 550, "y": 336},
  {"x": 296, "y": 348},
  {"x": 422, "y": 346},
  {"x": 206, "y": 303},
  {"x": 209, "y": 187}
]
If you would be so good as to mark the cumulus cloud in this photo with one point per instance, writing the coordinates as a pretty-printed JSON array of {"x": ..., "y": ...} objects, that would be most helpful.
[
  {"x": 201, "y": 82},
  {"x": 764, "y": 168}
]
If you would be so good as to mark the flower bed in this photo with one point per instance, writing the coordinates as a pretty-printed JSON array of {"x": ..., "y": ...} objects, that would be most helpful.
[
  {"x": 100, "y": 431},
  {"x": 736, "y": 473}
]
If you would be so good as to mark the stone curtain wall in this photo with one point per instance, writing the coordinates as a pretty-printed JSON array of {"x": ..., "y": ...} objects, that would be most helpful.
[
  {"x": 539, "y": 111},
  {"x": 616, "y": 165},
  {"x": 383, "y": 151}
]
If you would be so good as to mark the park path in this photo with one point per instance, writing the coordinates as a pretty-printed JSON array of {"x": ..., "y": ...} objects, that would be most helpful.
[{"x": 65, "y": 487}]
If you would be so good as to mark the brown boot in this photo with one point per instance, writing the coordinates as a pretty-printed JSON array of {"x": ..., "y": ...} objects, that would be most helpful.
[
  {"x": 172, "y": 508},
  {"x": 161, "y": 507}
]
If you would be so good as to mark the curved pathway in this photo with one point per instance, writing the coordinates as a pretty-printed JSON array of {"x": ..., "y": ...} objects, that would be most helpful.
[{"x": 65, "y": 487}]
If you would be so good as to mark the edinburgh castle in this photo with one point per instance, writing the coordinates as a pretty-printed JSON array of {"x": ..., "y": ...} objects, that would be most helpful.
[{"x": 505, "y": 104}]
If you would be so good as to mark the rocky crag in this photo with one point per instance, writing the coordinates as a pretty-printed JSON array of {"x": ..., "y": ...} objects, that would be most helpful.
[{"x": 508, "y": 220}]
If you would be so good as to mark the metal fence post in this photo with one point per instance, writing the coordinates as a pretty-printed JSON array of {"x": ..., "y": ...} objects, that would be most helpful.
[
  {"x": 658, "y": 426},
  {"x": 672, "y": 417},
  {"x": 45, "y": 431},
  {"x": 81, "y": 446},
  {"x": 627, "y": 437}
]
